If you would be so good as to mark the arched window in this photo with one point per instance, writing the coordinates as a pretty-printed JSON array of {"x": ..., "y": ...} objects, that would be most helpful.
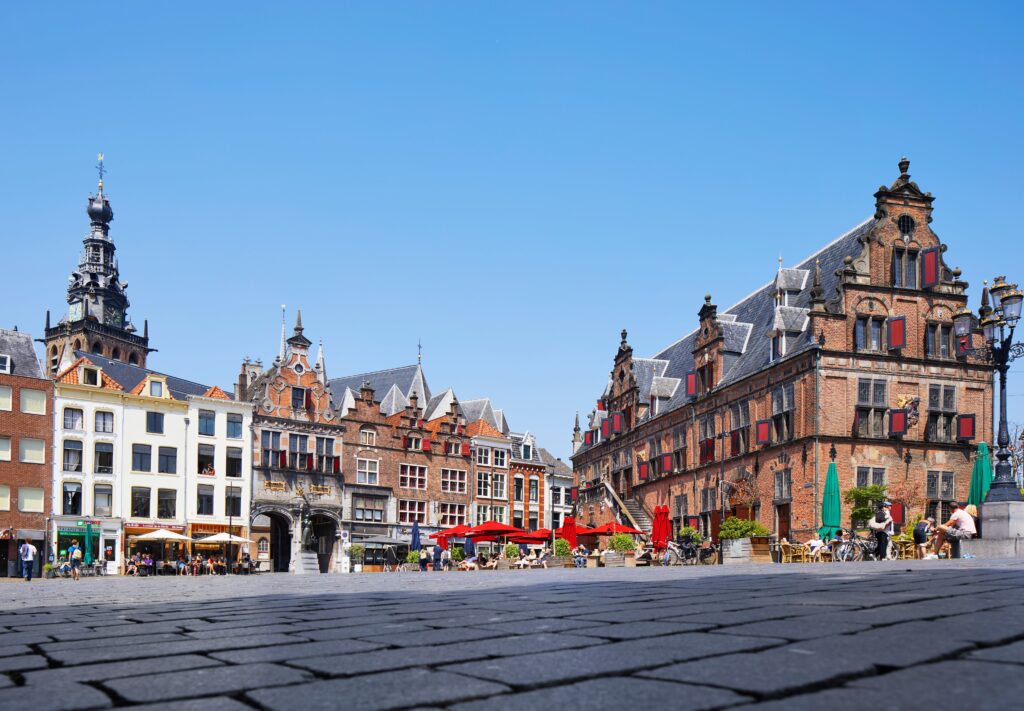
[
  {"x": 78, "y": 345},
  {"x": 97, "y": 348},
  {"x": 54, "y": 359},
  {"x": 368, "y": 437},
  {"x": 906, "y": 225},
  {"x": 133, "y": 359},
  {"x": 116, "y": 354},
  {"x": 263, "y": 547}
]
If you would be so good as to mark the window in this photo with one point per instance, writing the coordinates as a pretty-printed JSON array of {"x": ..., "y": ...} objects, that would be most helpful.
[
  {"x": 412, "y": 511},
  {"x": 33, "y": 402},
  {"x": 72, "y": 501},
  {"x": 140, "y": 501},
  {"x": 234, "y": 463},
  {"x": 778, "y": 345},
  {"x": 556, "y": 495},
  {"x": 234, "y": 426},
  {"x": 207, "y": 422},
  {"x": 31, "y": 451},
  {"x": 739, "y": 420},
  {"x": 707, "y": 439},
  {"x": 367, "y": 437},
  {"x": 103, "y": 500},
  {"x": 270, "y": 448},
  {"x": 72, "y": 456},
  {"x": 414, "y": 443},
  {"x": 906, "y": 225},
  {"x": 499, "y": 455},
  {"x": 5, "y": 364},
  {"x": 167, "y": 460},
  {"x": 156, "y": 388},
  {"x": 534, "y": 490},
  {"x": 483, "y": 456},
  {"x": 411, "y": 476},
  {"x": 498, "y": 513},
  {"x": 298, "y": 398},
  {"x": 5, "y": 449},
  {"x": 142, "y": 458},
  {"x": 527, "y": 454},
  {"x": 870, "y": 476},
  {"x": 869, "y": 334},
  {"x": 166, "y": 503},
  {"x": 233, "y": 501},
  {"x": 369, "y": 508},
  {"x": 938, "y": 340},
  {"x": 297, "y": 451},
  {"x": 679, "y": 447},
  {"x": 453, "y": 448},
  {"x": 532, "y": 522},
  {"x": 872, "y": 403},
  {"x": 941, "y": 425},
  {"x": 517, "y": 519},
  {"x": 904, "y": 268},
  {"x": 941, "y": 485},
  {"x": 204, "y": 460},
  {"x": 90, "y": 376},
  {"x": 453, "y": 481},
  {"x": 325, "y": 454},
  {"x": 517, "y": 488},
  {"x": 74, "y": 419},
  {"x": 498, "y": 490},
  {"x": 30, "y": 499},
  {"x": 155, "y": 422},
  {"x": 204, "y": 500},
  {"x": 5, "y": 397},
  {"x": 104, "y": 463},
  {"x": 708, "y": 499},
  {"x": 105, "y": 422},
  {"x": 451, "y": 514},
  {"x": 483, "y": 484},
  {"x": 706, "y": 378},
  {"x": 367, "y": 471},
  {"x": 263, "y": 547}
]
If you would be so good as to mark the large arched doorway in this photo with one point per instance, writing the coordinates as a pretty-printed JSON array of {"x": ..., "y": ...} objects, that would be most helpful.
[
  {"x": 325, "y": 532},
  {"x": 273, "y": 533}
]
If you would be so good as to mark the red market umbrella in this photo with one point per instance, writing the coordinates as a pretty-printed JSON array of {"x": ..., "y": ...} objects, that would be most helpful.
[
  {"x": 443, "y": 542},
  {"x": 568, "y": 531},
  {"x": 612, "y": 528},
  {"x": 659, "y": 531},
  {"x": 454, "y": 531},
  {"x": 493, "y": 528},
  {"x": 542, "y": 535}
]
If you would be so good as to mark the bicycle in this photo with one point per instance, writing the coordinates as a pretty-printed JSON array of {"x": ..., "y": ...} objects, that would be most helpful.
[{"x": 857, "y": 548}]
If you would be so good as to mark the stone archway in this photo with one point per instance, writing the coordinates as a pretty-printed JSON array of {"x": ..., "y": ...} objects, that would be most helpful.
[
  {"x": 325, "y": 525},
  {"x": 280, "y": 537}
]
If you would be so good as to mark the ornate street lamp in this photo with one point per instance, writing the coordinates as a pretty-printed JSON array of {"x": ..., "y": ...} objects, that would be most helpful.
[{"x": 997, "y": 323}]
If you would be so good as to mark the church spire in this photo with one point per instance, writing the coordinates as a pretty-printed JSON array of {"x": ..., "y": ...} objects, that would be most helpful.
[
  {"x": 280, "y": 352},
  {"x": 321, "y": 364},
  {"x": 298, "y": 340}
]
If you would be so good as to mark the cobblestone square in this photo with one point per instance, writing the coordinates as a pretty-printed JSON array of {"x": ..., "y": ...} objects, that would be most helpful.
[{"x": 810, "y": 636}]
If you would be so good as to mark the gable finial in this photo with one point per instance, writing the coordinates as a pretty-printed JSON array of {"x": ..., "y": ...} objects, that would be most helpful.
[
  {"x": 419, "y": 351},
  {"x": 904, "y": 166},
  {"x": 101, "y": 170},
  {"x": 780, "y": 261},
  {"x": 280, "y": 354}
]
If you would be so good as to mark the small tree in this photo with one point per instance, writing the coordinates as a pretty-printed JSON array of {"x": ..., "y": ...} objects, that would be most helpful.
[
  {"x": 864, "y": 499},
  {"x": 621, "y": 542},
  {"x": 690, "y": 533},
  {"x": 511, "y": 551},
  {"x": 562, "y": 548},
  {"x": 356, "y": 552},
  {"x": 741, "y": 528},
  {"x": 458, "y": 554},
  {"x": 413, "y": 557}
]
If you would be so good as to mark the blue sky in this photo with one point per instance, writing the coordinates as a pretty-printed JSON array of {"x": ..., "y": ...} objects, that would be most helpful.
[{"x": 512, "y": 184}]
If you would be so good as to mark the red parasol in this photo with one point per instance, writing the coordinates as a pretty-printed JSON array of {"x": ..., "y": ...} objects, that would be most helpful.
[
  {"x": 454, "y": 531},
  {"x": 660, "y": 529},
  {"x": 541, "y": 535},
  {"x": 568, "y": 531},
  {"x": 612, "y": 528},
  {"x": 493, "y": 528}
]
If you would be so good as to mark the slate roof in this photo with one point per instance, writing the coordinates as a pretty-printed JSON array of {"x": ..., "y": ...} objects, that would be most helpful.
[
  {"x": 480, "y": 409},
  {"x": 745, "y": 324},
  {"x": 517, "y": 448},
  {"x": 560, "y": 468},
  {"x": 406, "y": 380},
  {"x": 129, "y": 376},
  {"x": 22, "y": 351}
]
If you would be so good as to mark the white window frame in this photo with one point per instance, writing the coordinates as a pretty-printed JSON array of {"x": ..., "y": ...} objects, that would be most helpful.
[
  {"x": 367, "y": 437},
  {"x": 22, "y": 398},
  {"x": 365, "y": 473},
  {"x": 483, "y": 456},
  {"x": 456, "y": 477},
  {"x": 502, "y": 460},
  {"x": 5, "y": 364},
  {"x": 409, "y": 517},
  {"x": 409, "y": 471},
  {"x": 499, "y": 485},
  {"x": 21, "y": 450},
  {"x": 95, "y": 421},
  {"x": 450, "y": 514}
]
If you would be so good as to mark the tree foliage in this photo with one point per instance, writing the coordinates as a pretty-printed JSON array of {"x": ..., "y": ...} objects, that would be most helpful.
[
  {"x": 864, "y": 500},
  {"x": 734, "y": 527}
]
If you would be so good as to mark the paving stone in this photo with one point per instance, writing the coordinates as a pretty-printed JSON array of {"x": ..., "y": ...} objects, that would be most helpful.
[
  {"x": 204, "y": 682},
  {"x": 1011, "y": 653},
  {"x": 295, "y": 651},
  {"x": 637, "y": 630},
  {"x": 120, "y": 641},
  {"x": 5, "y": 681},
  {"x": 218, "y": 703},
  {"x": 22, "y": 663},
  {"x": 751, "y": 614},
  {"x": 772, "y": 671},
  {"x": 138, "y": 651},
  {"x": 894, "y": 646},
  {"x": 432, "y": 637},
  {"x": 365, "y": 631},
  {"x": 618, "y": 657},
  {"x": 70, "y": 633},
  {"x": 68, "y": 697},
  {"x": 948, "y": 684},
  {"x": 14, "y": 650},
  {"x": 534, "y": 626},
  {"x": 610, "y": 694},
  {"x": 797, "y": 628},
  {"x": 372, "y": 692},
  {"x": 114, "y": 670}
]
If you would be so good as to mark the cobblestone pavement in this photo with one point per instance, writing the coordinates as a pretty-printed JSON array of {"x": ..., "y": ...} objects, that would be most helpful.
[{"x": 833, "y": 636}]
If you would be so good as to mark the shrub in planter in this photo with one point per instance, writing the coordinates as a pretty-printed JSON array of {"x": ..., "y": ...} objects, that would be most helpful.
[
  {"x": 741, "y": 528},
  {"x": 691, "y": 533},
  {"x": 562, "y": 548},
  {"x": 458, "y": 554},
  {"x": 622, "y": 543},
  {"x": 413, "y": 557},
  {"x": 511, "y": 551},
  {"x": 356, "y": 552}
]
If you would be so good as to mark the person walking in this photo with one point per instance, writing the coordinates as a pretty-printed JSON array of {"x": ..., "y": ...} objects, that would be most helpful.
[
  {"x": 437, "y": 558},
  {"x": 27, "y": 552},
  {"x": 75, "y": 557},
  {"x": 883, "y": 526},
  {"x": 424, "y": 558},
  {"x": 446, "y": 560}
]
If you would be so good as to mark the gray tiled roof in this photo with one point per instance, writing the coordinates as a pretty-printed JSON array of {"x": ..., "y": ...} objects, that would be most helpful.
[
  {"x": 22, "y": 351},
  {"x": 790, "y": 318},
  {"x": 480, "y": 409},
  {"x": 792, "y": 279},
  {"x": 128, "y": 376},
  {"x": 408, "y": 379},
  {"x": 559, "y": 468},
  {"x": 517, "y": 439}
]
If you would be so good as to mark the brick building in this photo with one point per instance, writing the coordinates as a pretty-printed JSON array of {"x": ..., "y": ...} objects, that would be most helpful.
[
  {"x": 26, "y": 443},
  {"x": 850, "y": 352}
]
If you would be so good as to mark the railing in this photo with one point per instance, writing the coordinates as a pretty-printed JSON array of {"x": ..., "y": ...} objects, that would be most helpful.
[{"x": 602, "y": 492}]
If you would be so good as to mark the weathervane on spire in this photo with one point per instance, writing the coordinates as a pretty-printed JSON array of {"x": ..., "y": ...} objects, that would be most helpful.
[
  {"x": 101, "y": 170},
  {"x": 419, "y": 351}
]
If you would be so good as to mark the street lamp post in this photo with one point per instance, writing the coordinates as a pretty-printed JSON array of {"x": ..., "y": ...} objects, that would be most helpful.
[{"x": 997, "y": 323}]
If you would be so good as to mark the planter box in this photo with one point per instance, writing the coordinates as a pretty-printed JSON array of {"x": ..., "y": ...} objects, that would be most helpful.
[
  {"x": 761, "y": 549},
  {"x": 561, "y": 562},
  {"x": 736, "y": 550},
  {"x": 373, "y": 568},
  {"x": 615, "y": 560}
]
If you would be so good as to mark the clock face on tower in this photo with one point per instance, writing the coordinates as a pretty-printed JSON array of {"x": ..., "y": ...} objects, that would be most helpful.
[
  {"x": 113, "y": 316},
  {"x": 75, "y": 312}
]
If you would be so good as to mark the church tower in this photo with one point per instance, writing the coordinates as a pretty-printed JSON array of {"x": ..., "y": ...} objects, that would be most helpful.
[{"x": 97, "y": 315}]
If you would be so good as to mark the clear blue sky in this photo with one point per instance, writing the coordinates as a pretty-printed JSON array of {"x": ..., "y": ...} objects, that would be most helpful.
[{"x": 512, "y": 184}]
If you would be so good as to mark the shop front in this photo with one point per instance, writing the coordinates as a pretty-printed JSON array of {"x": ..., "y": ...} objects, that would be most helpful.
[
  {"x": 10, "y": 543},
  {"x": 235, "y": 551},
  {"x": 100, "y": 539},
  {"x": 159, "y": 551}
]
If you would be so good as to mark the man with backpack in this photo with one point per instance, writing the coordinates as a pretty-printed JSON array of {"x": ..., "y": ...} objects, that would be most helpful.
[
  {"x": 75, "y": 557},
  {"x": 883, "y": 526},
  {"x": 27, "y": 552}
]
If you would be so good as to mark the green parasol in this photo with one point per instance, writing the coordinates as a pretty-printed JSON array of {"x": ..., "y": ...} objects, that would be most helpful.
[
  {"x": 831, "y": 504},
  {"x": 981, "y": 476}
]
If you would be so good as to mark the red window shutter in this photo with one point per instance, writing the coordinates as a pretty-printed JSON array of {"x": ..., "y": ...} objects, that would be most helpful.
[
  {"x": 963, "y": 344},
  {"x": 465, "y": 449},
  {"x": 643, "y": 470},
  {"x": 405, "y": 442},
  {"x": 283, "y": 459},
  {"x": 426, "y": 445},
  {"x": 575, "y": 494},
  {"x": 965, "y": 426},
  {"x": 588, "y": 437},
  {"x": 309, "y": 399},
  {"x": 691, "y": 384},
  {"x": 929, "y": 268},
  {"x": 897, "y": 332},
  {"x": 666, "y": 463},
  {"x": 898, "y": 513},
  {"x": 600, "y": 405},
  {"x": 337, "y": 465},
  {"x": 617, "y": 423},
  {"x": 458, "y": 429},
  {"x": 309, "y": 462},
  {"x": 764, "y": 432},
  {"x": 606, "y": 427},
  {"x": 419, "y": 423},
  {"x": 897, "y": 423}
]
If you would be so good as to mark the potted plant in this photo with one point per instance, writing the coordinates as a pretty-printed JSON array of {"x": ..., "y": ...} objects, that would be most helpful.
[
  {"x": 562, "y": 555},
  {"x": 412, "y": 559},
  {"x": 512, "y": 551},
  {"x": 620, "y": 547},
  {"x": 458, "y": 554},
  {"x": 356, "y": 554},
  {"x": 735, "y": 535},
  {"x": 48, "y": 570}
]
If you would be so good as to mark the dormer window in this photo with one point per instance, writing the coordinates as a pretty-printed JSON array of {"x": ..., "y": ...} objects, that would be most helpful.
[
  {"x": 91, "y": 377},
  {"x": 706, "y": 378},
  {"x": 789, "y": 297},
  {"x": 527, "y": 451},
  {"x": 5, "y": 364},
  {"x": 778, "y": 345},
  {"x": 156, "y": 389}
]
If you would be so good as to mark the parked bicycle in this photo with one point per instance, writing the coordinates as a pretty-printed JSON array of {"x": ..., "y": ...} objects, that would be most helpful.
[
  {"x": 689, "y": 553},
  {"x": 859, "y": 548}
]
